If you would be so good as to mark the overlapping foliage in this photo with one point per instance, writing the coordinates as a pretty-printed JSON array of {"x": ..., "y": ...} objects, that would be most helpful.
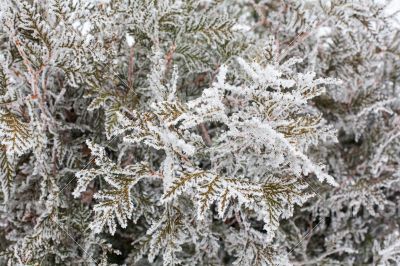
[{"x": 199, "y": 133}]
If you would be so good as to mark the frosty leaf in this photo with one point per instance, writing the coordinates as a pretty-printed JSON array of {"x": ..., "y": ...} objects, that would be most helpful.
[
  {"x": 115, "y": 203},
  {"x": 208, "y": 194},
  {"x": 6, "y": 172},
  {"x": 7, "y": 93},
  {"x": 388, "y": 252},
  {"x": 217, "y": 29},
  {"x": 180, "y": 184},
  {"x": 166, "y": 235},
  {"x": 14, "y": 133}
]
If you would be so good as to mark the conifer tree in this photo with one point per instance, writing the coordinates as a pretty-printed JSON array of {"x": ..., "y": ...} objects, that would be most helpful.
[{"x": 200, "y": 132}]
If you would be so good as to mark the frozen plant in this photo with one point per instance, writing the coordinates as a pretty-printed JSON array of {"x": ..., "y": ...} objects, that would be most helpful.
[{"x": 244, "y": 132}]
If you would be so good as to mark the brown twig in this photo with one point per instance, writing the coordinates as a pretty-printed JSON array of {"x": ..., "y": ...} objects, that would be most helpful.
[{"x": 204, "y": 134}]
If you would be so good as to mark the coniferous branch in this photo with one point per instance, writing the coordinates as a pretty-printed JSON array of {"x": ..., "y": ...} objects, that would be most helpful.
[{"x": 221, "y": 132}]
